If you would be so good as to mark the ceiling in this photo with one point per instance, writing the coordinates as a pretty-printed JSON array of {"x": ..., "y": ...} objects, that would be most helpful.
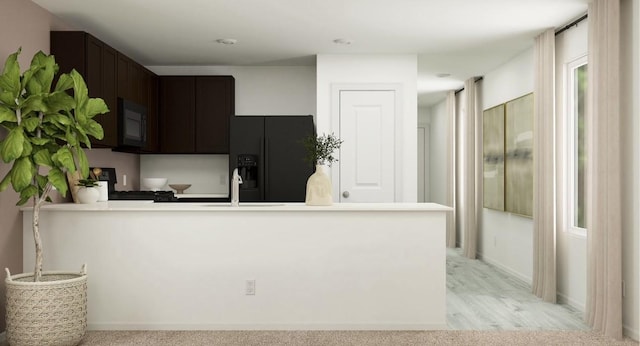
[{"x": 463, "y": 38}]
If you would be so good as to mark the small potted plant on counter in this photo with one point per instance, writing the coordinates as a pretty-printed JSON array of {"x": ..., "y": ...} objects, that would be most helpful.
[
  {"x": 45, "y": 128},
  {"x": 320, "y": 152},
  {"x": 88, "y": 191}
]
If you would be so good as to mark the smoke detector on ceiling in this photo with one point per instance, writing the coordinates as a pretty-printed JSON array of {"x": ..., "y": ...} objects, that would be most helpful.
[
  {"x": 344, "y": 41},
  {"x": 228, "y": 41}
]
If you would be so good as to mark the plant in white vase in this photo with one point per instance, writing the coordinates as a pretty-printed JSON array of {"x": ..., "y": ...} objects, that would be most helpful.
[
  {"x": 88, "y": 191},
  {"x": 46, "y": 126},
  {"x": 320, "y": 152}
]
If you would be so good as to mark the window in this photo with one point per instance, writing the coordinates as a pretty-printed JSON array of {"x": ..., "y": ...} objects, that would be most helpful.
[{"x": 576, "y": 156}]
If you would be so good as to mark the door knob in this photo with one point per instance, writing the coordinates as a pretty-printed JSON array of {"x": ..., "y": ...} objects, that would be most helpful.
[{"x": 345, "y": 194}]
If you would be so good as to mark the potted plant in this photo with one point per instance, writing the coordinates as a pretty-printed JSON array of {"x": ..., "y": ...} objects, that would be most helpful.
[
  {"x": 88, "y": 191},
  {"x": 320, "y": 152},
  {"x": 45, "y": 128}
]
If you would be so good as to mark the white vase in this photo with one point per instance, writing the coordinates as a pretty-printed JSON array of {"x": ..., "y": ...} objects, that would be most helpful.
[
  {"x": 87, "y": 195},
  {"x": 103, "y": 188},
  {"x": 319, "y": 190}
]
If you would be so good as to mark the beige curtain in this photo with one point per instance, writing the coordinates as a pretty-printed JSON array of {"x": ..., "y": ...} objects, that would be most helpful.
[
  {"x": 544, "y": 207},
  {"x": 451, "y": 169},
  {"x": 469, "y": 217},
  {"x": 604, "y": 234}
]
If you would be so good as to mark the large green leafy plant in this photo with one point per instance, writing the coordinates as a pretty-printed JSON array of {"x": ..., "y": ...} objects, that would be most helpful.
[{"x": 45, "y": 131}]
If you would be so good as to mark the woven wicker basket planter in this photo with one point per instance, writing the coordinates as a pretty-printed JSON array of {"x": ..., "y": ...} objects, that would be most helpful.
[{"x": 52, "y": 311}]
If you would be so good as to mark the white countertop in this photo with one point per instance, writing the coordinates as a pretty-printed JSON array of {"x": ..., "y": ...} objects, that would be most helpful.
[{"x": 219, "y": 207}]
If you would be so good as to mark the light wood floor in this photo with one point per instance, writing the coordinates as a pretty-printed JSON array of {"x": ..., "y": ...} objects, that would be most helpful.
[{"x": 482, "y": 297}]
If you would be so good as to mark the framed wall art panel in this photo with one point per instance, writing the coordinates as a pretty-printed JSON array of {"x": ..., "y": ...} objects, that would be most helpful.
[
  {"x": 493, "y": 157},
  {"x": 519, "y": 156}
]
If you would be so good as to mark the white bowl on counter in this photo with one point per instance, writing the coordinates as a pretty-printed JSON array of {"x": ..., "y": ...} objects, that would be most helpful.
[{"x": 154, "y": 184}]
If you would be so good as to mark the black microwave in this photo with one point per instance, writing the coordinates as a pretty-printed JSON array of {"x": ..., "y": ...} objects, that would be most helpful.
[{"x": 132, "y": 124}]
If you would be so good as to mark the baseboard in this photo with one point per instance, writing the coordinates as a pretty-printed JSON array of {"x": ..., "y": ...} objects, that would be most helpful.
[
  {"x": 500, "y": 266},
  {"x": 275, "y": 326},
  {"x": 632, "y": 333},
  {"x": 563, "y": 299}
]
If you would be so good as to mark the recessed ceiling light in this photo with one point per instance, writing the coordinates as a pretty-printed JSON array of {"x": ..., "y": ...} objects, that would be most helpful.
[
  {"x": 443, "y": 75},
  {"x": 344, "y": 41},
  {"x": 227, "y": 40}
]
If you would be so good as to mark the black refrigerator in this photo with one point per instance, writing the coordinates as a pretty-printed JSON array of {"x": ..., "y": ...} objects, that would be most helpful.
[{"x": 269, "y": 155}]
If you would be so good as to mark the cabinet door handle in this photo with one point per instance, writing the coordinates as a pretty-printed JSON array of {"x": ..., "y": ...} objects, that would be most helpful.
[
  {"x": 345, "y": 194},
  {"x": 262, "y": 170},
  {"x": 267, "y": 182}
]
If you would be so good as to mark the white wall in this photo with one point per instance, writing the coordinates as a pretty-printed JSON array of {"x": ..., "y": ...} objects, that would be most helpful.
[
  {"x": 375, "y": 69},
  {"x": 571, "y": 247},
  {"x": 424, "y": 115},
  {"x": 438, "y": 153},
  {"x": 32, "y": 38},
  {"x": 262, "y": 90},
  {"x": 505, "y": 240},
  {"x": 630, "y": 102},
  {"x": 206, "y": 173}
]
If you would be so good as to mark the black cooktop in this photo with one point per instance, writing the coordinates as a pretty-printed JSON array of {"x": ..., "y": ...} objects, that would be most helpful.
[{"x": 157, "y": 196}]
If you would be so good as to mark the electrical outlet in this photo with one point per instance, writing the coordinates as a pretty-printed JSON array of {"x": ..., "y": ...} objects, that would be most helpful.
[{"x": 250, "y": 288}]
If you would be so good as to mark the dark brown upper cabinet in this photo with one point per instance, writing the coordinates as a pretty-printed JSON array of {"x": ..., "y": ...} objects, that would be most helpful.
[
  {"x": 177, "y": 109},
  {"x": 123, "y": 79},
  {"x": 109, "y": 74},
  {"x": 96, "y": 62},
  {"x": 215, "y": 105},
  {"x": 153, "y": 115},
  {"x": 132, "y": 80},
  {"x": 195, "y": 112}
]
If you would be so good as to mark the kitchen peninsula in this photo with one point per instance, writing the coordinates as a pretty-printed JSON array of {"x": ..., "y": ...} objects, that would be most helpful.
[{"x": 258, "y": 266}]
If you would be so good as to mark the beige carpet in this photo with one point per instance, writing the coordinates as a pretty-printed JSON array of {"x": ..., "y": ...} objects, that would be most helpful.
[{"x": 351, "y": 338}]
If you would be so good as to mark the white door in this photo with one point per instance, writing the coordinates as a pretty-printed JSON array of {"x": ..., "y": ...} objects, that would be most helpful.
[{"x": 367, "y": 160}]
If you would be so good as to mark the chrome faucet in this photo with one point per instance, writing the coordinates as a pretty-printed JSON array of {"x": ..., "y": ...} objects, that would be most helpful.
[{"x": 236, "y": 180}]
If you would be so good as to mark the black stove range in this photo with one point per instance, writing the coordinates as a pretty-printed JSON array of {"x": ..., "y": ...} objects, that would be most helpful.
[{"x": 156, "y": 196}]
